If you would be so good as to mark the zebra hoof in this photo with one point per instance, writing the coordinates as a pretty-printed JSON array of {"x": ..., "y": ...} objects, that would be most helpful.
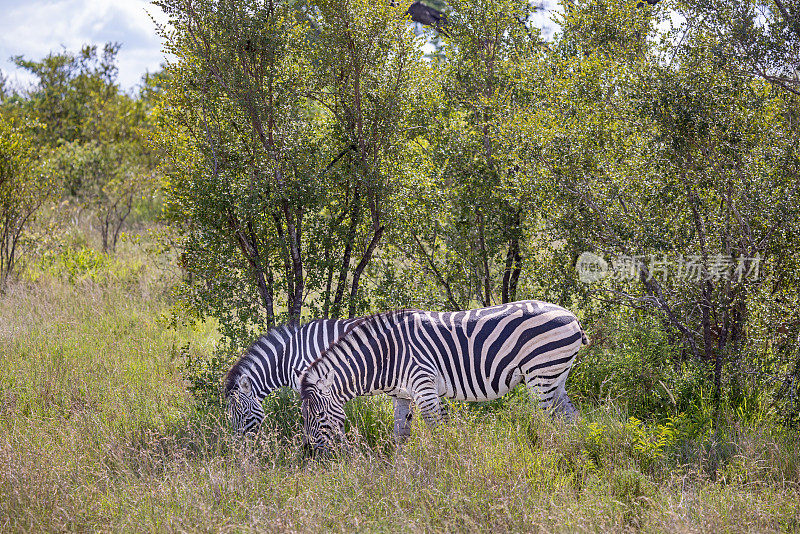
[
  {"x": 401, "y": 439},
  {"x": 402, "y": 432},
  {"x": 565, "y": 410}
]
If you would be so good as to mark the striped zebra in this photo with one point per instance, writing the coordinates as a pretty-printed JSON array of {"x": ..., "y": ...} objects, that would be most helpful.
[
  {"x": 474, "y": 355},
  {"x": 276, "y": 360}
]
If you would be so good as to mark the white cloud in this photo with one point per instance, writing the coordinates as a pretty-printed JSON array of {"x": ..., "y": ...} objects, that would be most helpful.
[
  {"x": 543, "y": 17},
  {"x": 35, "y": 28}
]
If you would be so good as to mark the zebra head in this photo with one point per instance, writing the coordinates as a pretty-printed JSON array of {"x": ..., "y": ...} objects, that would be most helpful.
[
  {"x": 245, "y": 412},
  {"x": 323, "y": 416}
]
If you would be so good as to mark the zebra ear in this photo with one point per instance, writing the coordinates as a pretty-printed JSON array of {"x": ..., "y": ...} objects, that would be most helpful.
[{"x": 245, "y": 386}]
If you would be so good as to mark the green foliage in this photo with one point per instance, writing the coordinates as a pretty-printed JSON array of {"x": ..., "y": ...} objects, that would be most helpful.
[
  {"x": 96, "y": 133},
  {"x": 76, "y": 262},
  {"x": 600, "y": 28},
  {"x": 105, "y": 178},
  {"x": 759, "y": 36},
  {"x": 463, "y": 224},
  {"x": 659, "y": 151},
  {"x": 73, "y": 93},
  {"x": 633, "y": 362}
]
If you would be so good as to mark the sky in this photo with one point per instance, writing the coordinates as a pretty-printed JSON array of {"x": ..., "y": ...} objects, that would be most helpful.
[{"x": 34, "y": 28}]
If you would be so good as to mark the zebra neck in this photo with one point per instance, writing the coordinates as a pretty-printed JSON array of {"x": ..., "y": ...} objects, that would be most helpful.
[
  {"x": 307, "y": 344},
  {"x": 363, "y": 364},
  {"x": 267, "y": 365},
  {"x": 348, "y": 384}
]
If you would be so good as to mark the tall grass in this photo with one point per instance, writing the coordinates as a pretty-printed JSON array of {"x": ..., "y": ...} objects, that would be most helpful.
[{"x": 98, "y": 433}]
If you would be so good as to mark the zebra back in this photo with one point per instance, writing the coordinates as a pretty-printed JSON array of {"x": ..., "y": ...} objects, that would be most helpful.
[{"x": 471, "y": 355}]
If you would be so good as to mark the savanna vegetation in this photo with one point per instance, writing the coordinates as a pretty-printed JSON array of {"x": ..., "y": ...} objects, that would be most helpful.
[{"x": 304, "y": 159}]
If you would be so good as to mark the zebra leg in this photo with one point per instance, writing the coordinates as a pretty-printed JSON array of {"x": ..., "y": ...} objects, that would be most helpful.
[
  {"x": 426, "y": 397},
  {"x": 563, "y": 407},
  {"x": 402, "y": 418},
  {"x": 550, "y": 392},
  {"x": 444, "y": 407}
]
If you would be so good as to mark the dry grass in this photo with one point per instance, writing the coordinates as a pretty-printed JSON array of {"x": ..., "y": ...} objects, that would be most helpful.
[{"x": 97, "y": 433}]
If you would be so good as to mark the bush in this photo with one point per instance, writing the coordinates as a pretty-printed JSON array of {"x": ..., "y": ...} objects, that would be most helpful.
[
  {"x": 75, "y": 261},
  {"x": 634, "y": 363},
  {"x": 203, "y": 374}
]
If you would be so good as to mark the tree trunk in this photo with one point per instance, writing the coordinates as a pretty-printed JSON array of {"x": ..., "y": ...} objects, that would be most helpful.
[
  {"x": 250, "y": 249},
  {"x": 512, "y": 272},
  {"x": 432, "y": 264},
  {"x": 294, "y": 232},
  {"x": 104, "y": 231},
  {"x": 326, "y": 303},
  {"x": 513, "y": 261},
  {"x": 329, "y": 261},
  {"x": 355, "y": 216},
  {"x": 120, "y": 222},
  {"x": 376, "y": 237},
  {"x": 487, "y": 288}
]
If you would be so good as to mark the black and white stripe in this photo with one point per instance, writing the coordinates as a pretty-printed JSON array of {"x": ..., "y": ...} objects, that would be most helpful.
[
  {"x": 474, "y": 355},
  {"x": 276, "y": 360}
]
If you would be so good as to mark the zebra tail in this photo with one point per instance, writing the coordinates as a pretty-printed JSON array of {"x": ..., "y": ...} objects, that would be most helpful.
[{"x": 584, "y": 339}]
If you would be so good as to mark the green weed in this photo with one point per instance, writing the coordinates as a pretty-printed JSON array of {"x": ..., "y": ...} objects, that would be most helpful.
[{"x": 100, "y": 432}]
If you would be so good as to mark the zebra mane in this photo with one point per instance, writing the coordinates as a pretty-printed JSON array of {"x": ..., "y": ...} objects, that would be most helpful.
[
  {"x": 280, "y": 334},
  {"x": 370, "y": 324}
]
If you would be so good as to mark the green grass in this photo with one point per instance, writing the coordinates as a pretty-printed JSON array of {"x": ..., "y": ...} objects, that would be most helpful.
[{"x": 98, "y": 433}]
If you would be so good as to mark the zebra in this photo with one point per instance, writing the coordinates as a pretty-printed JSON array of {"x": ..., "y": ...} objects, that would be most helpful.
[
  {"x": 473, "y": 355},
  {"x": 276, "y": 360}
]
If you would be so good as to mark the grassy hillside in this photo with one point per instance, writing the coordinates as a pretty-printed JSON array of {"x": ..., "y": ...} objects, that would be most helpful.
[{"x": 98, "y": 433}]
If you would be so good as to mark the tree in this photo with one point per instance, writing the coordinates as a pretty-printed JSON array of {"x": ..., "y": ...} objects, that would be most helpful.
[
  {"x": 112, "y": 176},
  {"x": 759, "y": 37},
  {"x": 286, "y": 117},
  {"x": 72, "y": 92},
  {"x": 369, "y": 78},
  {"x": 667, "y": 154},
  {"x": 96, "y": 132},
  {"x": 470, "y": 236},
  {"x": 23, "y": 188}
]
